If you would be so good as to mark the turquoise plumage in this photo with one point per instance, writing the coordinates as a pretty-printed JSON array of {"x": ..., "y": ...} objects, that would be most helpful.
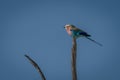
[{"x": 76, "y": 33}]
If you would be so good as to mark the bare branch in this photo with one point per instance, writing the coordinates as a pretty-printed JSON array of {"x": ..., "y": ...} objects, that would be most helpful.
[
  {"x": 73, "y": 60},
  {"x": 36, "y": 66}
]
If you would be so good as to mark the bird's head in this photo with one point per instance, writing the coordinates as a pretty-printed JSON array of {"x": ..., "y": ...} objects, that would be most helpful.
[{"x": 69, "y": 26}]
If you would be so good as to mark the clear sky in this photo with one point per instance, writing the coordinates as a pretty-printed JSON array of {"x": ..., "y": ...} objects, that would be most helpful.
[{"x": 35, "y": 27}]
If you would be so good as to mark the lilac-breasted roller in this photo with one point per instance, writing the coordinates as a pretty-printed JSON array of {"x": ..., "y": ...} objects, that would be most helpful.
[{"x": 76, "y": 33}]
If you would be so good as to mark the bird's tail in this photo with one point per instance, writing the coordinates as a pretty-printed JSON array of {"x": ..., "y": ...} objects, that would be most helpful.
[{"x": 94, "y": 41}]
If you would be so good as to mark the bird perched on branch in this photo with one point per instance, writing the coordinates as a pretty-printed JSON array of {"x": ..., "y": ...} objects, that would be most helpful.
[{"x": 76, "y": 33}]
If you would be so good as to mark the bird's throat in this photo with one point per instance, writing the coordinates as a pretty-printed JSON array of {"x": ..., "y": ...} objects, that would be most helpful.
[{"x": 68, "y": 31}]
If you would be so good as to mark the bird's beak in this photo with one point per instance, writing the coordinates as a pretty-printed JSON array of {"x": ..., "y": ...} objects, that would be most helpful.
[{"x": 65, "y": 27}]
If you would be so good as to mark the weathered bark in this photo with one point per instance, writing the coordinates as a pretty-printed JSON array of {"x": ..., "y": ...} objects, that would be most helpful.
[
  {"x": 73, "y": 60},
  {"x": 36, "y": 66}
]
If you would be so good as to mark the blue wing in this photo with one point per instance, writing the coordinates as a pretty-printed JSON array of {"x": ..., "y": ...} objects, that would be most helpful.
[
  {"x": 79, "y": 33},
  {"x": 84, "y": 34}
]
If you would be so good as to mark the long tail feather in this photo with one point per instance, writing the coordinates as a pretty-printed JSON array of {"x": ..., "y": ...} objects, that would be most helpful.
[{"x": 94, "y": 41}]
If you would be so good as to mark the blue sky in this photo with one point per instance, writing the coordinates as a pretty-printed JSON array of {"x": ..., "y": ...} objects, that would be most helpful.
[{"x": 36, "y": 28}]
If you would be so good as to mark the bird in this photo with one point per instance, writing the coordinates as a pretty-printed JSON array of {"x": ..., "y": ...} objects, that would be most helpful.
[{"x": 75, "y": 32}]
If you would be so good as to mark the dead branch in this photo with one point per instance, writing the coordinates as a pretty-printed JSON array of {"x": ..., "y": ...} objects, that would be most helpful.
[
  {"x": 73, "y": 60},
  {"x": 36, "y": 66}
]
